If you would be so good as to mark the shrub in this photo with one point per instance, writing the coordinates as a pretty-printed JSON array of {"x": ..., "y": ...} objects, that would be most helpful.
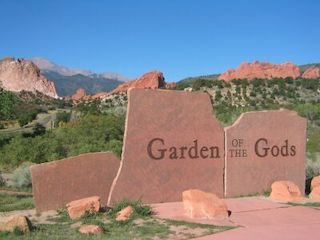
[
  {"x": 62, "y": 117},
  {"x": 38, "y": 129},
  {"x": 21, "y": 176}
]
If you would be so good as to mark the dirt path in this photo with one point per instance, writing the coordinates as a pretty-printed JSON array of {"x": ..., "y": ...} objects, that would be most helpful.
[{"x": 10, "y": 192}]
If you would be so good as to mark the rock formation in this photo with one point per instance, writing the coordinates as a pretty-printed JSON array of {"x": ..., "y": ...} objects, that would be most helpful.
[
  {"x": 261, "y": 70},
  {"x": 312, "y": 72},
  {"x": 79, "y": 95},
  {"x": 152, "y": 80},
  {"x": 20, "y": 74}
]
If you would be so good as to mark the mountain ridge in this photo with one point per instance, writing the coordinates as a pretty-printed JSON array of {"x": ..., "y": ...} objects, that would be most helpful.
[{"x": 46, "y": 65}]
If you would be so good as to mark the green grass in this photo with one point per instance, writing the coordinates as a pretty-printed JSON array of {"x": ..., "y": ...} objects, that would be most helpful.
[{"x": 15, "y": 202}]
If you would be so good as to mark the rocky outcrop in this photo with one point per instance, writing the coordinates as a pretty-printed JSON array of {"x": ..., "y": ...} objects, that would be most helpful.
[
  {"x": 261, "y": 70},
  {"x": 151, "y": 80},
  {"x": 285, "y": 191},
  {"x": 18, "y": 74},
  {"x": 78, "y": 208},
  {"x": 312, "y": 72},
  {"x": 79, "y": 95},
  {"x": 199, "y": 204}
]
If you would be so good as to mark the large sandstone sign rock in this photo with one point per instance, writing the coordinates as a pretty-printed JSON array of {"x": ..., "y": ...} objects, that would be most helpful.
[
  {"x": 172, "y": 143},
  {"x": 263, "y": 147},
  {"x": 59, "y": 182}
]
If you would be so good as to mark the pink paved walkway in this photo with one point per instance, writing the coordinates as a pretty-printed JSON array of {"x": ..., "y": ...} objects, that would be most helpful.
[{"x": 258, "y": 218}]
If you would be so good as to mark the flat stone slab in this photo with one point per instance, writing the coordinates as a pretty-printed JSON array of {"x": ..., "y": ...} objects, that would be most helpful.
[
  {"x": 263, "y": 147},
  {"x": 172, "y": 143},
  {"x": 256, "y": 218},
  {"x": 56, "y": 183},
  {"x": 249, "y": 204}
]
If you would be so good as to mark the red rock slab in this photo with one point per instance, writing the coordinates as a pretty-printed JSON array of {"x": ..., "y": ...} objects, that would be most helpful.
[
  {"x": 164, "y": 119},
  {"x": 263, "y": 147},
  {"x": 57, "y": 183}
]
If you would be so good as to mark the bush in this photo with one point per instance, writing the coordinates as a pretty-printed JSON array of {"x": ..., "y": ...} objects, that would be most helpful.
[
  {"x": 62, "y": 117},
  {"x": 22, "y": 176},
  {"x": 38, "y": 129}
]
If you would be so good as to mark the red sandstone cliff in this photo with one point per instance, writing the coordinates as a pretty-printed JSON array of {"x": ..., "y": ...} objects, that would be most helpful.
[
  {"x": 18, "y": 75},
  {"x": 261, "y": 70},
  {"x": 152, "y": 80},
  {"x": 312, "y": 72}
]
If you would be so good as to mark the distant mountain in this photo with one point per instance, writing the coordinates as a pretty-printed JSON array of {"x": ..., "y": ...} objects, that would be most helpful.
[
  {"x": 68, "y": 85},
  {"x": 46, "y": 65},
  {"x": 69, "y": 80}
]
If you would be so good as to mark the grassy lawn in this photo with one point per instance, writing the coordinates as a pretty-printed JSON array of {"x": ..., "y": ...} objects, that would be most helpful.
[{"x": 15, "y": 202}]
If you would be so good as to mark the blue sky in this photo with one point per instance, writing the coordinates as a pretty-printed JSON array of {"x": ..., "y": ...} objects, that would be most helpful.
[{"x": 178, "y": 37}]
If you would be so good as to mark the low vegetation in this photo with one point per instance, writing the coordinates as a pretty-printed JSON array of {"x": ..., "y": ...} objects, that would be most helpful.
[
  {"x": 90, "y": 133},
  {"x": 142, "y": 225}
]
